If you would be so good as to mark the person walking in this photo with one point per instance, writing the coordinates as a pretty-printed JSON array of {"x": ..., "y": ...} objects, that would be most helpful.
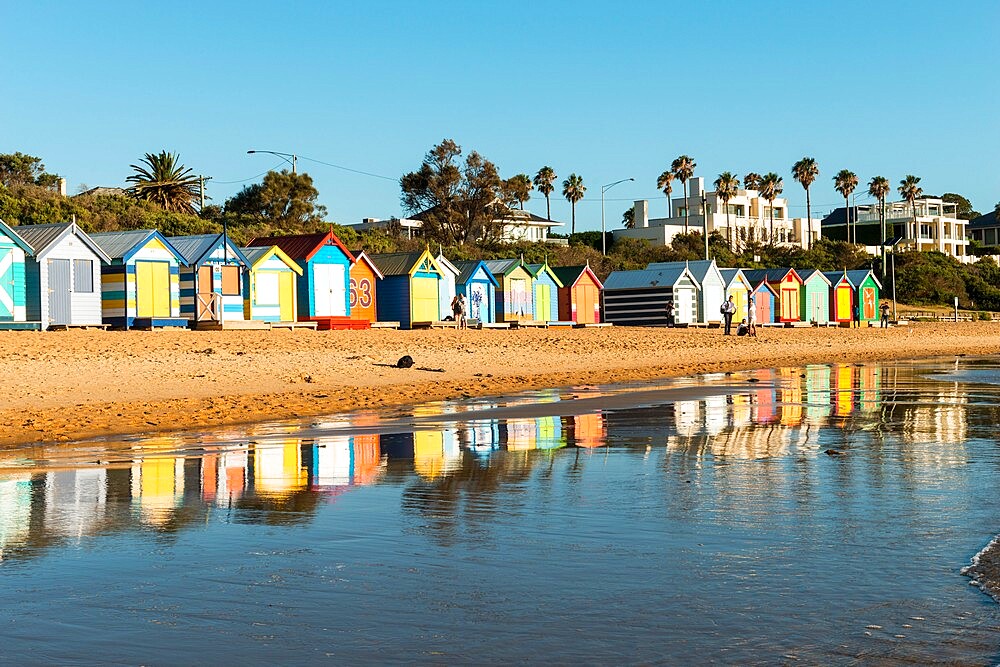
[
  {"x": 752, "y": 316},
  {"x": 458, "y": 310},
  {"x": 728, "y": 310},
  {"x": 855, "y": 315},
  {"x": 884, "y": 321}
]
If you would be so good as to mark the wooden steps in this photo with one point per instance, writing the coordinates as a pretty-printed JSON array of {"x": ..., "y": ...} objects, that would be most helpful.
[
  {"x": 67, "y": 327},
  {"x": 294, "y": 325},
  {"x": 383, "y": 325},
  {"x": 232, "y": 325},
  {"x": 436, "y": 324},
  {"x": 594, "y": 325}
]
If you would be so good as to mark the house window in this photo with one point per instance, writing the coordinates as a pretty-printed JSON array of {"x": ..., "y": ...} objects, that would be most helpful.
[
  {"x": 231, "y": 281},
  {"x": 83, "y": 275},
  {"x": 925, "y": 232}
]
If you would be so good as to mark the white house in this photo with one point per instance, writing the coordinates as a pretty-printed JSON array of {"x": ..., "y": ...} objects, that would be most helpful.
[{"x": 518, "y": 225}]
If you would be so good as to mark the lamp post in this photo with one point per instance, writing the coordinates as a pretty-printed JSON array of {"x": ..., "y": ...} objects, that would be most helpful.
[
  {"x": 704, "y": 213},
  {"x": 284, "y": 156},
  {"x": 605, "y": 188}
]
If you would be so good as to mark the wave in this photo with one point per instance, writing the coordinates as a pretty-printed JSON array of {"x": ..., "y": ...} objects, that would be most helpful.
[{"x": 985, "y": 569}]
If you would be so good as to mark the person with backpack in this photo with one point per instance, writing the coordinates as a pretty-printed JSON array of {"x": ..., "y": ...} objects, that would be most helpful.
[{"x": 728, "y": 309}]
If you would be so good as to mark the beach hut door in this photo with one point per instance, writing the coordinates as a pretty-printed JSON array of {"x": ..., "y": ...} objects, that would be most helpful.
[
  {"x": 207, "y": 300},
  {"x": 6, "y": 284},
  {"x": 330, "y": 290},
  {"x": 60, "y": 303}
]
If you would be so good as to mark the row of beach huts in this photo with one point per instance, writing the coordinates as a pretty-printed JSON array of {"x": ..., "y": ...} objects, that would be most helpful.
[{"x": 58, "y": 276}]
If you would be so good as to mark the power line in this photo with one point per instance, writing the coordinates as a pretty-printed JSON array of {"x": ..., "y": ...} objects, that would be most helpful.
[
  {"x": 244, "y": 180},
  {"x": 354, "y": 171}
]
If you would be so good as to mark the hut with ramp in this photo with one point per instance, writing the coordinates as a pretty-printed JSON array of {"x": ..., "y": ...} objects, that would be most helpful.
[
  {"x": 323, "y": 291},
  {"x": 515, "y": 294},
  {"x": 479, "y": 286},
  {"x": 62, "y": 276},
  {"x": 410, "y": 291},
  {"x": 641, "y": 298},
  {"x": 211, "y": 280},
  {"x": 546, "y": 286},
  {"x": 14, "y": 252},
  {"x": 815, "y": 306},
  {"x": 365, "y": 277},
  {"x": 580, "y": 294},
  {"x": 140, "y": 288},
  {"x": 269, "y": 285}
]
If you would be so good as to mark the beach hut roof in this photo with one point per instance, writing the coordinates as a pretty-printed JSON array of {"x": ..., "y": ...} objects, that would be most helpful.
[
  {"x": 501, "y": 267},
  {"x": 699, "y": 268},
  {"x": 122, "y": 245},
  {"x": 756, "y": 285},
  {"x": 18, "y": 241},
  {"x": 362, "y": 256},
  {"x": 302, "y": 246},
  {"x": 569, "y": 275},
  {"x": 446, "y": 265},
  {"x": 836, "y": 276},
  {"x": 468, "y": 269},
  {"x": 647, "y": 278},
  {"x": 809, "y": 274},
  {"x": 535, "y": 269},
  {"x": 858, "y": 276},
  {"x": 43, "y": 237},
  {"x": 196, "y": 249},
  {"x": 259, "y": 254},
  {"x": 403, "y": 263},
  {"x": 770, "y": 275},
  {"x": 729, "y": 276}
]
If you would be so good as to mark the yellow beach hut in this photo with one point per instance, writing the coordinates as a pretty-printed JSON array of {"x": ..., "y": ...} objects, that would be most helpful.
[
  {"x": 409, "y": 291},
  {"x": 269, "y": 286}
]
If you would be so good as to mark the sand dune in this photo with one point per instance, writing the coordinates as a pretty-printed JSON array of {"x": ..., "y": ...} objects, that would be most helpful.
[{"x": 76, "y": 384}]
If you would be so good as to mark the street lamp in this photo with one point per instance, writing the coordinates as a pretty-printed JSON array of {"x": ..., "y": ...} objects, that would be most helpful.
[
  {"x": 604, "y": 236},
  {"x": 283, "y": 156},
  {"x": 892, "y": 244}
]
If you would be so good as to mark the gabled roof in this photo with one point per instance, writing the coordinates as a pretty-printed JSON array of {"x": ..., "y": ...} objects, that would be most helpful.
[
  {"x": 838, "y": 216},
  {"x": 362, "y": 256},
  {"x": 18, "y": 241},
  {"x": 648, "y": 278},
  {"x": 857, "y": 276},
  {"x": 302, "y": 246},
  {"x": 123, "y": 245},
  {"x": 535, "y": 269},
  {"x": 469, "y": 269},
  {"x": 770, "y": 275},
  {"x": 699, "y": 268},
  {"x": 43, "y": 237},
  {"x": 259, "y": 254},
  {"x": 403, "y": 263},
  {"x": 729, "y": 276},
  {"x": 197, "y": 249},
  {"x": 986, "y": 220},
  {"x": 569, "y": 275},
  {"x": 755, "y": 286},
  {"x": 446, "y": 265},
  {"x": 502, "y": 267},
  {"x": 836, "y": 276},
  {"x": 810, "y": 274}
]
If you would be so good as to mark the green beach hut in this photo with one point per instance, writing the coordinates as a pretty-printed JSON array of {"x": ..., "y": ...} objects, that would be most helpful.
[{"x": 814, "y": 296}]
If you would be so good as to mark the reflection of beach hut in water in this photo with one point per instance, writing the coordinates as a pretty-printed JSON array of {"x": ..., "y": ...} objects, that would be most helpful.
[
  {"x": 479, "y": 286},
  {"x": 211, "y": 278},
  {"x": 815, "y": 297},
  {"x": 13, "y": 286},
  {"x": 515, "y": 300},
  {"x": 588, "y": 431},
  {"x": 365, "y": 277},
  {"x": 548, "y": 433},
  {"x": 787, "y": 285},
  {"x": 580, "y": 295},
  {"x": 738, "y": 287},
  {"x": 63, "y": 275},
  {"x": 141, "y": 286},
  {"x": 269, "y": 285},
  {"x": 323, "y": 291},
  {"x": 409, "y": 291},
  {"x": 711, "y": 287},
  {"x": 640, "y": 298},
  {"x": 446, "y": 286},
  {"x": 765, "y": 300},
  {"x": 546, "y": 292}
]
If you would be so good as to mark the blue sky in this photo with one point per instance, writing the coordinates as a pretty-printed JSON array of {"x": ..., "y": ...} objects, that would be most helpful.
[{"x": 605, "y": 91}]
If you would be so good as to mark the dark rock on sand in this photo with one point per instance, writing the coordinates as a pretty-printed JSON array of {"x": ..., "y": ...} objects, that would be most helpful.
[{"x": 985, "y": 569}]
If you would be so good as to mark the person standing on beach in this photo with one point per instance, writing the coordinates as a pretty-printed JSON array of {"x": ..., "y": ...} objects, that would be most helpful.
[
  {"x": 458, "y": 309},
  {"x": 670, "y": 313},
  {"x": 752, "y": 316},
  {"x": 855, "y": 315},
  {"x": 884, "y": 322},
  {"x": 728, "y": 310}
]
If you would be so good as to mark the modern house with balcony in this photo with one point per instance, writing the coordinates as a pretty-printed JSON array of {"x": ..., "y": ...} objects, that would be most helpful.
[
  {"x": 749, "y": 219},
  {"x": 931, "y": 224},
  {"x": 985, "y": 230}
]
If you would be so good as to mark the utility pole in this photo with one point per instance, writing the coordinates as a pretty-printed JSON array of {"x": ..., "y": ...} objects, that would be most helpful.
[
  {"x": 201, "y": 183},
  {"x": 704, "y": 212}
]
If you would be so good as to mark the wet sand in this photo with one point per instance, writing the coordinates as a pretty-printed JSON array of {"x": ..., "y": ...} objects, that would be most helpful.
[{"x": 79, "y": 384}]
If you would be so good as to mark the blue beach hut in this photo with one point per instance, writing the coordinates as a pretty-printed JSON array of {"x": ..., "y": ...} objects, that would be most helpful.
[
  {"x": 211, "y": 278},
  {"x": 13, "y": 286},
  {"x": 479, "y": 287},
  {"x": 141, "y": 285}
]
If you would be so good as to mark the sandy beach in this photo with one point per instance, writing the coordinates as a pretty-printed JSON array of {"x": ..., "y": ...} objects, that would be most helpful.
[{"x": 79, "y": 384}]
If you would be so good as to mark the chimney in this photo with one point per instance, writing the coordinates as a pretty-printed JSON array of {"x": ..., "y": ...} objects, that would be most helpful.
[
  {"x": 696, "y": 187},
  {"x": 640, "y": 213},
  {"x": 62, "y": 187}
]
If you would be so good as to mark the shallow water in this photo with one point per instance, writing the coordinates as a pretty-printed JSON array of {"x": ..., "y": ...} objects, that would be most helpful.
[{"x": 694, "y": 521}]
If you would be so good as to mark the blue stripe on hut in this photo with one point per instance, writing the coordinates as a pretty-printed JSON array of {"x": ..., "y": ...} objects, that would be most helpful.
[
  {"x": 211, "y": 278},
  {"x": 546, "y": 289},
  {"x": 651, "y": 297},
  {"x": 479, "y": 286},
  {"x": 269, "y": 286},
  {"x": 13, "y": 284}
]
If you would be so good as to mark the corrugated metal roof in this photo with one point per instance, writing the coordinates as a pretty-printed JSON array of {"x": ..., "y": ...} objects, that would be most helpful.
[
  {"x": 362, "y": 256},
  {"x": 396, "y": 263},
  {"x": 40, "y": 237},
  {"x": 192, "y": 248},
  {"x": 469, "y": 268},
  {"x": 501, "y": 267},
  {"x": 771, "y": 275},
  {"x": 255, "y": 253},
  {"x": 301, "y": 246},
  {"x": 857, "y": 276},
  {"x": 645, "y": 278},
  {"x": 698, "y": 268},
  {"x": 807, "y": 274},
  {"x": 447, "y": 265},
  {"x": 118, "y": 244},
  {"x": 568, "y": 274},
  {"x": 834, "y": 276}
]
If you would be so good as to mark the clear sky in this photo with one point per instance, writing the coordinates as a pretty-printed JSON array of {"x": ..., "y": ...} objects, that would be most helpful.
[{"x": 606, "y": 90}]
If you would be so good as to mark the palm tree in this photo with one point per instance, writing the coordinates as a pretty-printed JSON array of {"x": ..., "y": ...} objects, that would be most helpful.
[
  {"x": 752, "y": 181},
  {"x": 805, "y": 172},
  {"x": 162, "y": 180},
  {"x": 726, "y": 187},
  {"x": 573, "y": 189},
  {"x": 911, "y": 192},
  {"x": 543, "y": 183},
  {"x": 879, "y": 187},
  {"x": 665, "y": 183},
  {"x": 771, "y": 186},
  {"x": 844, "y": 182},
  {"x": 683, "y": 168}
]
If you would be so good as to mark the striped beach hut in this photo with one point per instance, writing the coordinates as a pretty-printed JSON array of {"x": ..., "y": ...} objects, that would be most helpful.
[
  {"x": 409, "y": 292},
  {"x": 580, "y": 295},
  {"x": 63, "y": 275},
  {"x": 787, "y": 285},
  {"x": 14, "y": 251},
  {"x": 269, "y": 285},
  {"x": 546, "y": 286},
  {"x": 815, "y": 305},
  {"x": 365, "y": 277},
  {"x": 765, "y": 301},
  {"x": 738, "y": 287},
  {"x": 323, "y": 292},
  {"x": 515, "y": 296},
  {"x": 480, "y": 289},
  {"x": 841, "y": 296},
  {"x": 640, "y": 298},
  {"x": 446, "y": 286},
  {"x": 211, "y": 278},
  {"x": 141, "y": 287},
  {"x": 711, "y": 287}
]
